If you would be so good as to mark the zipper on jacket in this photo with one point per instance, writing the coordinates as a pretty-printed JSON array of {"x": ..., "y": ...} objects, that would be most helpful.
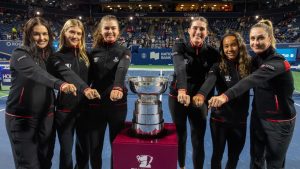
[
  {"x": 276, "y": 103},
  {"x": 21, "y": 96}
]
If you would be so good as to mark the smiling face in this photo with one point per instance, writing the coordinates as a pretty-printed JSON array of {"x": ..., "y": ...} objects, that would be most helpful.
[
  {"x": 198, "y": 32},
  {"x": 73, "y": 36},
  {"x": 110, "y": 31},
  {"x": 259, "y": 40},
  {"x": 40, "y": 36},
  {"x": 230, "y": 47}
]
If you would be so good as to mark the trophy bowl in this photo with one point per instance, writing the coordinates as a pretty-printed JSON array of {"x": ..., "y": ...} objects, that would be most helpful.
[
  {"x": 148, "y": 116},
  {"x": 148, "y": 85}
]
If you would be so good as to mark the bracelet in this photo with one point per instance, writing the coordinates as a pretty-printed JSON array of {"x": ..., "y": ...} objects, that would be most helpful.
[{"x": 118, "y": 88}]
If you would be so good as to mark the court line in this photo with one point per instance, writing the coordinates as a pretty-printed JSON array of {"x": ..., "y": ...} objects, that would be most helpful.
[
  {"x": 3, "y": 96},
  {"x": 2, "y": 110},
  {"x": 297, "y": 104}
]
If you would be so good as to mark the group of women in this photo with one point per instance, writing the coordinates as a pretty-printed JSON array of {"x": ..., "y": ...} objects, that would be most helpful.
[
  {"x": 199, "y": 68},
  {"x": 34, "y": 114},
  {"x": 91, "y": 95}
]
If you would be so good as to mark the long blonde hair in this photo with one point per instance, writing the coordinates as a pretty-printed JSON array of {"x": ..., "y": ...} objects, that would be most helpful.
[
  {"x": 243, "y": 57},
  {"x": 268, "y": 27},
  {"x": 98, "y": 38},
  {"x": 62, "y": 41}
]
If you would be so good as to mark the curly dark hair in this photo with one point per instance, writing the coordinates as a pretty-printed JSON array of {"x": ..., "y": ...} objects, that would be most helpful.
[{"x": 244, "y": 60}]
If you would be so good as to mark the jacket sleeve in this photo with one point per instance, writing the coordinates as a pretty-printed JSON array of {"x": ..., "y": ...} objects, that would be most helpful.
[
  {"x": 122, "y": 69},
  {"x": 23, "y": 63},
  {"x": 179, "y": 66},
  {"x": 264, "y": 73},
  {"x": 58, "y": 66},
  {"x": 210, "y": 81}
]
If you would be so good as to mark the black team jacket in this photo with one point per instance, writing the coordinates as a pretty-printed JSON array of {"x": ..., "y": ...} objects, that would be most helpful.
[
  {"x": 62, "y": 61},
  {"x": 31, "y": 94},
  {"x": 273, "y": 85},
  {"x": 109, "y": 66},
  {"x": 191, "y": 66},
  {"x": 236, "y": 110}
]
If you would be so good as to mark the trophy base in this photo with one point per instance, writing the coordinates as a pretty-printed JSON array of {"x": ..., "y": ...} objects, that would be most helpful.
[{"x": 147, "y": 130}]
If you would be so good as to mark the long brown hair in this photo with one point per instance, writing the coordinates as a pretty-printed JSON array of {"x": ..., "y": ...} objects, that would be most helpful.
[
  {"x": 243, "y": 57},
  {"x": 62, "y": 41},
  {"x": 98, "y": 38},
  {"x": 29, "y": 42}
]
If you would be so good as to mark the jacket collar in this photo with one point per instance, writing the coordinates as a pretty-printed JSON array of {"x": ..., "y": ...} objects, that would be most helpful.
[{"x": 267, "y": 53}]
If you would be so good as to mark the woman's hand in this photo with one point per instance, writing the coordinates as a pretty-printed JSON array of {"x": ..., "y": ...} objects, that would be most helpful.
[
  {"x": 91, "y": 93},
  {"x": 68, "y": 88},
  {"x": 217, "y": 101},
  {"x": 183, "y": 98},
  {"x": 198, "y": 100},
  {"x": 116, "y": 94}
]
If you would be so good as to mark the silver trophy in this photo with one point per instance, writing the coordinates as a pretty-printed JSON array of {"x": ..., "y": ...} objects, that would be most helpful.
[{"x": 148, "y": 115}]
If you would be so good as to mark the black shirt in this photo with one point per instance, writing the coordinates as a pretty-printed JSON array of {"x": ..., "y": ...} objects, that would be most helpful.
[
  {"x": 191, "y": 66},
  {"x": 68, "y": 66},
  {"x": 31, "y": 93},
  {"x": 236, "y": 110},
  {"x": 273, "y": 85},
  {"x": 109, "y": 65}
]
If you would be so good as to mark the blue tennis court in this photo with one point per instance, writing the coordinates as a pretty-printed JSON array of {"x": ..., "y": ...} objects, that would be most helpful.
[{"x": 292, "y": 161}]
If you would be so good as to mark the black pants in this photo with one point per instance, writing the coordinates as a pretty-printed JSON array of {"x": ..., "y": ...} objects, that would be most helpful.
[
  {"x": 100, "y": 116},
  {"x": 82, "y": 141},
  {"x": 66, "y": 124},
  {"x": 235, "y": 138},
  {"x": 197, "y": 120},
  {"x": 269, "y": 142},
  {"x": 30, "y": 140}
]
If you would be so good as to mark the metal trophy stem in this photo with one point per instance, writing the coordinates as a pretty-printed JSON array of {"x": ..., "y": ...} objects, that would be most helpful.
[{"x": 148, "y": 115}]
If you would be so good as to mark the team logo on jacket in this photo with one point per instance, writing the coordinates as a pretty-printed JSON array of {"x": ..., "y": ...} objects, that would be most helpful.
[
  {"x": 96, "y": 59},
  {"x": 68, "y": 65},
  {"x": 116, "y": 59},
  {"x": 267, "y": 66},
  {"x": 227, "y": 78}
]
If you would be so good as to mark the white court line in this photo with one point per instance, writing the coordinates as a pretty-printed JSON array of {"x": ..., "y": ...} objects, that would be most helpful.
[
  {"x": 297, "y": 104},
  {"x": 2, "y": 110},
  {"x": 3, "y": 96}
]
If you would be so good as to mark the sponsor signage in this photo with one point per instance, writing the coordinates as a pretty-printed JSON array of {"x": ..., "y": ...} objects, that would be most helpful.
[{"x": 290, "y": 54}]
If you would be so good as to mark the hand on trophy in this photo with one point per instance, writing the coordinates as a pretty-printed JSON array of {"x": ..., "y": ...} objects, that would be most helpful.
[
  {"x": 198, "y": 100},
  {"x": 116, "y": 94},
  {"x": 183, "y": 98},
  {"x": 91, "y": 93}
]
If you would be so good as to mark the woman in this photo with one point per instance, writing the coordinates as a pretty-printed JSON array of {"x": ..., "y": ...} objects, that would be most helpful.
[
  {"x": 192, "y": 61},
  {"x": 273, "y": 112},
  {"x": 228, "y": 124},
  {"x": 71, "y": 110},
  {"x": 109, "y": 65},
  {"x": 29, "y": 111}
]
